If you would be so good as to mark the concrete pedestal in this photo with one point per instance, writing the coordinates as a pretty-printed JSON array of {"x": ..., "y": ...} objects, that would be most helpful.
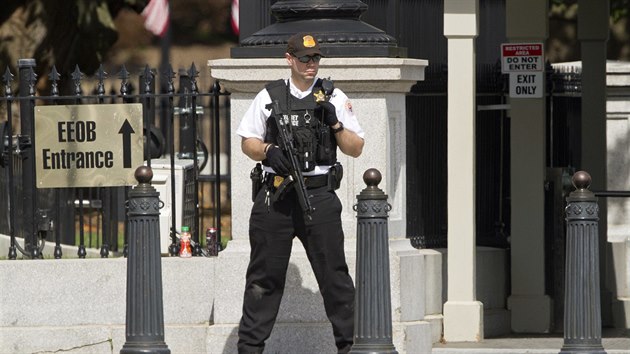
[
  {"x": 376, "y": 88},
  {"x": 302, "y": 325}
]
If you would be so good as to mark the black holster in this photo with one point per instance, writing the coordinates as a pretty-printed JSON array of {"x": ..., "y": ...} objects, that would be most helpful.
[
  {"x": 335, "y": 174},
  {"x": 257, "y": 180}
]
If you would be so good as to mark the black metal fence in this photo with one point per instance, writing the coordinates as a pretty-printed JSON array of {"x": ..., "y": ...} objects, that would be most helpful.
[
  {"x": 426, "y": 151},
  {"x": 183, "y": 126},
  {"x": 564, "y": 111},
  {"x": 426, "y": 159}
]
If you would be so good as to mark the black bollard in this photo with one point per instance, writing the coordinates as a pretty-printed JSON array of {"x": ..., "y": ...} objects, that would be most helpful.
[
  {"x": 582, "y": 312},
  {"x": 144, "y": 325},
  {"x": 373, "y": 304}
]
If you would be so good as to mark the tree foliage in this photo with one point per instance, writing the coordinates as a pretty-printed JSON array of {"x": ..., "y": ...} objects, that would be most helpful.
[
  {"x": 66, "y": 33},
  {"x": 63, "y": 33},
  {"x": 563, "y": 44},
  {"x": 618, "y": 8}
]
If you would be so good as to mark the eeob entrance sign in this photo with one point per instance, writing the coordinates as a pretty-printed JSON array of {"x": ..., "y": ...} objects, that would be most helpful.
[
  {"x": 88, "y": 145},
  {"x": 525, "y": 64}
]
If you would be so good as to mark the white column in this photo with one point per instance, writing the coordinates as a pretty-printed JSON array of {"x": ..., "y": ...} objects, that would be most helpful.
[
  {"x": 530, "y": 306},
  {"x": 463, "y": 314}
]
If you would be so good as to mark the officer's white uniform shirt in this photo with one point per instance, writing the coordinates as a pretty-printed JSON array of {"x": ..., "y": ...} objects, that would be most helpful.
[{"x": 254, "y": 122}]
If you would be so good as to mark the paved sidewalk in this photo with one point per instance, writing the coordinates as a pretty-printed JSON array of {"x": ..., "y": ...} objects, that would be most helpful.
[{"x": 613, "y": 341}]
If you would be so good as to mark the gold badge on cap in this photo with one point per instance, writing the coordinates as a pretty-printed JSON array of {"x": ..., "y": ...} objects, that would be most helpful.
[{"x": 308, "y": 41}]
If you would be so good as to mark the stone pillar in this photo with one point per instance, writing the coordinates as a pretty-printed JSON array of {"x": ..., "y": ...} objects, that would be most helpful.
[
  {"x": 616, "y": 247},
  {"x": 526, "y": 21},
  {"x": 618, "y": 230},
  {"x": 366, "y": 63},
  {"x": 463, "y": 314},
  {"x": 376, "y": 88}
]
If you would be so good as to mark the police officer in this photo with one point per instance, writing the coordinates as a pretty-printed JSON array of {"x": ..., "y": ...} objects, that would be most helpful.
[{"x": 320, "y": 119}]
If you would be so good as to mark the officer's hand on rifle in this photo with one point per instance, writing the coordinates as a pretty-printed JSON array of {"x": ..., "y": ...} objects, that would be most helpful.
[
  {"x": 330, "y": 113},
  {"x": 278, "y": 161}
]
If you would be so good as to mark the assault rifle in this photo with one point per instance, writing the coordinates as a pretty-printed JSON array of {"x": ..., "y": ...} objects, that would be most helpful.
[{"x": 295, "y": 177}]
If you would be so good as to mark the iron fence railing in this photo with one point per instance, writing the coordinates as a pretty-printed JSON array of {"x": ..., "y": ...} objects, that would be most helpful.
[
  {"x": 182, "y": 126},
  {"x": 426, "y": 149}
]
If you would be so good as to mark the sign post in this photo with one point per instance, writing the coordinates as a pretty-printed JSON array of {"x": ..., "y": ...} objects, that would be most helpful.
[
  {"x": 525, "y": 64},
  {"x": 88, "y": 145}
]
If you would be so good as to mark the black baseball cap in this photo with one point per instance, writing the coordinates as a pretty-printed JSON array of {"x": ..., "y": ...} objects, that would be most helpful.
[{"x": 303, "y": 44}]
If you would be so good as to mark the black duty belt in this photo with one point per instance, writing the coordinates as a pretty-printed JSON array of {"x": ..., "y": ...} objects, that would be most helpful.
[{"x": 309, "y": 181}]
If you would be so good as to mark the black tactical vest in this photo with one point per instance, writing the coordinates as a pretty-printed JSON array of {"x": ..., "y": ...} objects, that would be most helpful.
[{"x": 313, "y": 140}]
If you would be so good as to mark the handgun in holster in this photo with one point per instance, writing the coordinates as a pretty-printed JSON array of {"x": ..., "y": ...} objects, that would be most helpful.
[
  {"x": 281, "y": 185},
  {"x": 257, "y": 180}
]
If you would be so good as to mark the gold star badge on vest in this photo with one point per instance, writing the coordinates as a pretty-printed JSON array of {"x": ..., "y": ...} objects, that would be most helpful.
[{"x": 319, "y": 96}]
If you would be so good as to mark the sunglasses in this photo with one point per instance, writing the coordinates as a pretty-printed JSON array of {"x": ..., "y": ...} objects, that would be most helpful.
[{"x": 306, "y": 58}]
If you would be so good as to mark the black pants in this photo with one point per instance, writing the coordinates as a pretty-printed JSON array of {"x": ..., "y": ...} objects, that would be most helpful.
[{"x": 271, "y": 234}]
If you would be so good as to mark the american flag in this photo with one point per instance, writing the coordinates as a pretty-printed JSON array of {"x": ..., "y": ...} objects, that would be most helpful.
[{"x": 156, "y": 17}]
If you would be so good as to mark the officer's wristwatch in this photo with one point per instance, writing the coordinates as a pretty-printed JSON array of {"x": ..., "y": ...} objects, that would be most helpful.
[{"x": 338, "y": 129}]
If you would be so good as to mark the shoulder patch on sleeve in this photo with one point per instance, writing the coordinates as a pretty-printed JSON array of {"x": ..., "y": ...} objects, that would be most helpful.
[{"x": 349, "y": 105}]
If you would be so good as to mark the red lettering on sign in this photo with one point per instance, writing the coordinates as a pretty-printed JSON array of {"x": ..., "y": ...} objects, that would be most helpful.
[{"x": 522, "y": 50}]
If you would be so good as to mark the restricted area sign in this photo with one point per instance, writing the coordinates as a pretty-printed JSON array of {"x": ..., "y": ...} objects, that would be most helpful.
[
  {"x": 519, "y": 57},
  {"x": 525, "y": 62},
  {"x": 88, "y": 145}
]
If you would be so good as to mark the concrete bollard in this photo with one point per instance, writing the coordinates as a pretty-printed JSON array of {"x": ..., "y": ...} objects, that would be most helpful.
[
  {"x": 582, "y": 308},
  {"x": 373, "y": 304},
  {"x": 144, "y": 324}
]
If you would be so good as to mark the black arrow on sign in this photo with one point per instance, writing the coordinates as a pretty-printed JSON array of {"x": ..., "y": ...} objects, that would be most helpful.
[{"x": 126, "y": 130}]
